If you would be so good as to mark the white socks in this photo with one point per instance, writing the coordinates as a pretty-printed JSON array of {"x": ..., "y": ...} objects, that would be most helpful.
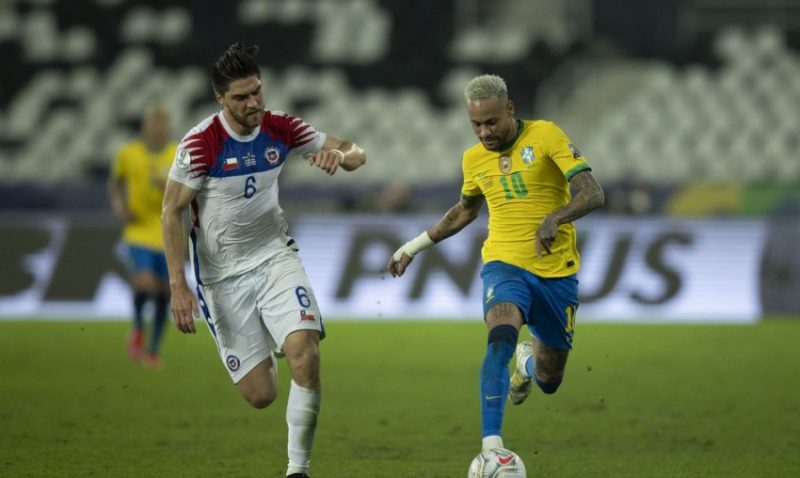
[
  {"x": 492, "y": 441},
  {"x": 301, "y": 417}
]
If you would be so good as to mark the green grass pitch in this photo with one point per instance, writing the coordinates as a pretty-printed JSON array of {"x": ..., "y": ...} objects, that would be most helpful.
[{"x": 400, "y": 400}]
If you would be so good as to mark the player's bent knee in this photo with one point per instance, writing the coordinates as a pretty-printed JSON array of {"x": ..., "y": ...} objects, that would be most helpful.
[
  {"x": 261, "y": 400},
  {"x": 548, "y": 387}
]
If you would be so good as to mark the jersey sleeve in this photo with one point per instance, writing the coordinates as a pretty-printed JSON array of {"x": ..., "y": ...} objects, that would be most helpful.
[
  {"x": 565, "y": 154},
  {"x": 302, "y": 138},
  {"x": 193, "y": 158},
  {"x": 469, "y": 187}
]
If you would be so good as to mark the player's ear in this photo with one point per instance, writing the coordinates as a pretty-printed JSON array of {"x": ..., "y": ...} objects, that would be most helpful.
[
  {"x": 510, "y": 107},
  {"x": 218, "y": 97}
]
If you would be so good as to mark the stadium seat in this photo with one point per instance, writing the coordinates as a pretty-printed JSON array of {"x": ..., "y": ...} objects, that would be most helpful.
[{"x": 355, "y": 68}]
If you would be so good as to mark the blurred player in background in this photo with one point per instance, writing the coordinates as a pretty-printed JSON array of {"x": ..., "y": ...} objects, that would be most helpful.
[
  {"x": 252, "y": 289},
  {"x": 136, "y": 191},
  {"x": 523, "y": 170}
]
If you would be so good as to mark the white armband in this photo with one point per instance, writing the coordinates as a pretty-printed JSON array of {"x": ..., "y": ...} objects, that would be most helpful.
[{"x": 412, "y": 247}]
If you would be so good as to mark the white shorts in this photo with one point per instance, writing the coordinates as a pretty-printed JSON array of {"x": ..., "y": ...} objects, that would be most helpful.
[{"x": 251, "y": 314}]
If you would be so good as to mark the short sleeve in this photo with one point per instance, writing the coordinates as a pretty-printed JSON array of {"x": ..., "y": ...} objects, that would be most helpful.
[
  {"x": 192, "y": 161},
  {"x": 566, "y": 155},
  {"x": 469, "y": 187},
  {"x": 302, "y": 138}
]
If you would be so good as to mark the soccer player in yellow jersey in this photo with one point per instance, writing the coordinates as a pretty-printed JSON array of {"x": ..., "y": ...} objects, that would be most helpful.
[
  {"x": 136, "y": 190},
  {"x": 524, "y": 171}
]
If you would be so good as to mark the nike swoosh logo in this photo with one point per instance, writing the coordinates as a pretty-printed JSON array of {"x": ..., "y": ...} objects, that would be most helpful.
[
  {"x": 505, "y": 460},
  {"x": 492, "y": 397}
]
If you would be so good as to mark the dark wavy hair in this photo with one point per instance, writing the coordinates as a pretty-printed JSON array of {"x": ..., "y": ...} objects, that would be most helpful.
[{"x": 235, "y": 63}]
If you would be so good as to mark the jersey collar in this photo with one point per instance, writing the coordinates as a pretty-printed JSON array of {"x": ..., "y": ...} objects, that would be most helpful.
[
  {"x": 233, "y": 134},
  {"x": 507, "y": 146}
]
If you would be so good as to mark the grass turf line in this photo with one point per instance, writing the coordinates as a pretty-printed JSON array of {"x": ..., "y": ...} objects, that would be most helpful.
[{"x": 400, "y": 400}]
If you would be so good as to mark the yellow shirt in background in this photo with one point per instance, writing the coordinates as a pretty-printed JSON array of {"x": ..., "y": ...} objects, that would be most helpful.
[
  {"x": 144, "y": 174},
  {"x": 522, "y": 185}
]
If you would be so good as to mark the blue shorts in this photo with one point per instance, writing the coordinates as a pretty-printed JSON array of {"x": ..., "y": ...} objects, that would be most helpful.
[
  {"x": 548, "y": 305},
  {"x": 145, "y": 259}
]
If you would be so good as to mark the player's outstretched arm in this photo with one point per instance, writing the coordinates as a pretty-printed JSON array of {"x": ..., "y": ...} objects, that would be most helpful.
[
  {"x": 184, "y": 304},
  {"x": 454, "y": 220},
  {"x": 336, "y": 153},
  {"x": 588, "y": 197}
]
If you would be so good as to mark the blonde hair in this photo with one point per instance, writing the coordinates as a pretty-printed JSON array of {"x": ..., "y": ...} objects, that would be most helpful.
[
  {"x": 155, "y": 108},
  {"x": 485, "y": 87}
]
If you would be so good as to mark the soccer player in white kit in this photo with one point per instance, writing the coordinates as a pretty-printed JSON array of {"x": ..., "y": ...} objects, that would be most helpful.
[{"x": 252, "y": 289}]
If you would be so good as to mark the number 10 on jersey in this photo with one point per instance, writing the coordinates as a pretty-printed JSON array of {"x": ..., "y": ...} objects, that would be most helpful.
[{"x": 518, "y": 185}]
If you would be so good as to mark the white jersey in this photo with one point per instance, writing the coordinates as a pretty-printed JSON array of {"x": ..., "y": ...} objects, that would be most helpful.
[{"x": 237, "y": 223}]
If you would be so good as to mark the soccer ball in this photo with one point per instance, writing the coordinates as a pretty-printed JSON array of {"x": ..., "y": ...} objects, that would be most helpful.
[{"x": 497, "y": 463}]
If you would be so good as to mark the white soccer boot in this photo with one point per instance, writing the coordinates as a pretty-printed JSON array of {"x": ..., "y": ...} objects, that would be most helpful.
[{"x": 520, "y": 381}]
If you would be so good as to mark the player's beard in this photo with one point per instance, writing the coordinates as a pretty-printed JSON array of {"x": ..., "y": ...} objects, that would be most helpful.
[
  {"x": 499, "y": 142},
  {"x": 249, "y": 120},
  {"x": 493, "y": 145}
]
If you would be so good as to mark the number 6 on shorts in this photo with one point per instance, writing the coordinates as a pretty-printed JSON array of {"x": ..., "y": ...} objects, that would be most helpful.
[{"x": 302, "y": 297}]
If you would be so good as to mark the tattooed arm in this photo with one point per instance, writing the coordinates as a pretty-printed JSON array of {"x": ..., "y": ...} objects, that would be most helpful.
[
  {"x": 454, "y": 220},
  {"x": 588, "y": 197}
]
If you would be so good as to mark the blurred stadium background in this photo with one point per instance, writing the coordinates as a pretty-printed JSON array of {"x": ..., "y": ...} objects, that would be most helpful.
[{"x": 689, "y": 112}]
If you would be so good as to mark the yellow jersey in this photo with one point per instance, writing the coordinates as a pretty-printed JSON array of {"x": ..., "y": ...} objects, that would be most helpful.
[
  {"x": 521, "y": 185},
  {"x": 144, "y": 174}
]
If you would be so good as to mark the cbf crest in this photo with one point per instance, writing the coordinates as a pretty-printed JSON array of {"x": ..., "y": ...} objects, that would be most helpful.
[
  {"x": 272, "y": 154},
  {"x": 505, "y": 164},
  {"x": 527, "y": 155}
]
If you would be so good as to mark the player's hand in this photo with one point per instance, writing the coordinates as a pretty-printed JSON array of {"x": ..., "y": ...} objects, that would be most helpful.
[
  {"x": 403, "y": 256},
  {"x": 327, "y": 160},
  {"x": 545, "y": 236},
  {"x": 125, "y": 215},
  {"x": 184, "y": 308},
  {"x": 397, "y": 267},
  {"x": 130, "y": 217}
]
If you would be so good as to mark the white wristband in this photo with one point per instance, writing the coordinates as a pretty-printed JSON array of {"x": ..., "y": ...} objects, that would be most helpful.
[
  {"x": 339, "y": 152},
  {"x": 412, "y": 247}
]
